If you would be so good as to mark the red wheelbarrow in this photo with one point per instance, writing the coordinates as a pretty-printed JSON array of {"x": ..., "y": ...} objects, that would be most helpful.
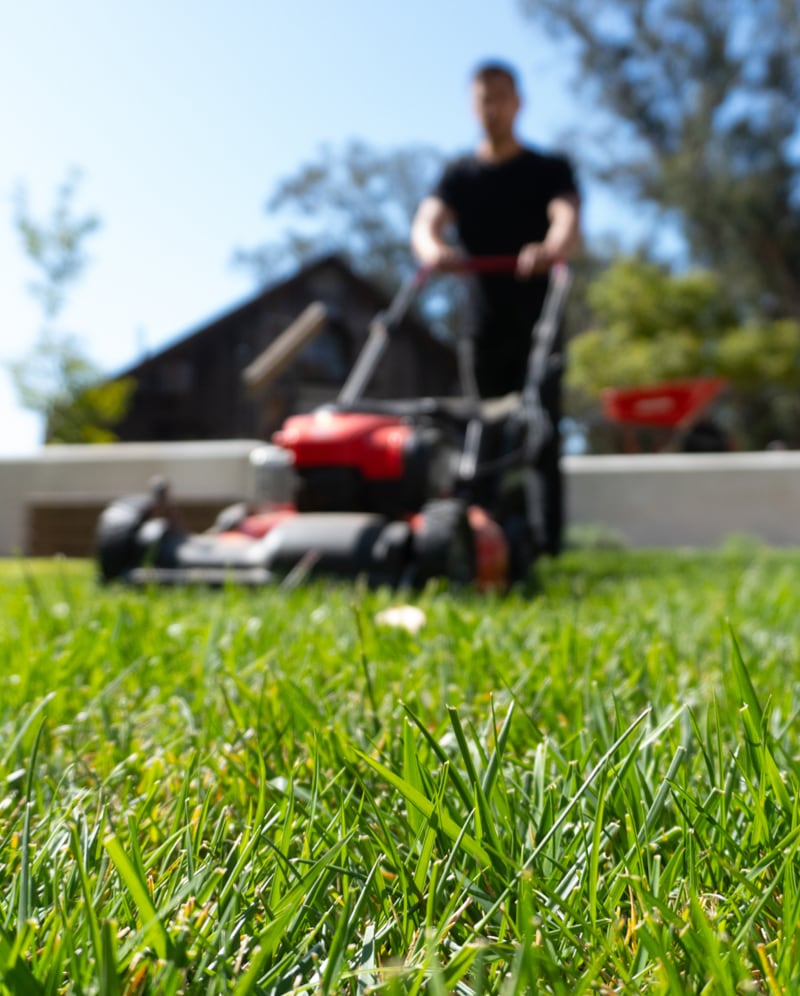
[{"x": 677, "y": 408}]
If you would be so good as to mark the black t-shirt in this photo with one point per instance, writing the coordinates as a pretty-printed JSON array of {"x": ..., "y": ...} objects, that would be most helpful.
[{"x": 499, "y": 208}]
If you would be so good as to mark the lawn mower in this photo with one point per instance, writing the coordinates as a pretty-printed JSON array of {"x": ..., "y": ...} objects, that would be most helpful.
[{"x": 397, "y": 492}]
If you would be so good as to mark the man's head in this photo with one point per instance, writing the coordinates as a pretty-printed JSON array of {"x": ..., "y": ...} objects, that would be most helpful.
[{"x": 495, "y": 100}]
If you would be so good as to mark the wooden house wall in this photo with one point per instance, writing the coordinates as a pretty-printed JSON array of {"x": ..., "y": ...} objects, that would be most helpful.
[{"x": 192, "y": 389}]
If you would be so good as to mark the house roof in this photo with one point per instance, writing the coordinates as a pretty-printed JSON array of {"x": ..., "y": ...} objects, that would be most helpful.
[{"x": 372, "y": 293}]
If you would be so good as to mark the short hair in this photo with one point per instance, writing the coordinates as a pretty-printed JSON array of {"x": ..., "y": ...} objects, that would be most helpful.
[{"x": 492, "y": 69}]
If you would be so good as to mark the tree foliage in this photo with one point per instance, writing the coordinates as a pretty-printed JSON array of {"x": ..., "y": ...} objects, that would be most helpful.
[
  {"x": 357, "y": 201},
  {"x": 650, "y": 325},
  {"x": 56, "y": 378},
  {"x": 704, "y": 96},
  {"x": 56, "y": 247}
]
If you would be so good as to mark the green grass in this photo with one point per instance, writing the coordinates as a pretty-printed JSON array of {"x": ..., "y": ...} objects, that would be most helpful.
[{"x": 589, "y": 788}]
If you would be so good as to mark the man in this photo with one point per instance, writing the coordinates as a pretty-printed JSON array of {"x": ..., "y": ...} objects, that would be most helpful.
[{"x": 506, "y": 199}]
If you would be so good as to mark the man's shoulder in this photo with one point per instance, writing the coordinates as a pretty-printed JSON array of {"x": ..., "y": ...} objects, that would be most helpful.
[
  {"x": 463, "y": 164},
  {"x": 472, "y": 161},
  {"x": 544, "y": 158},
  {"x": 553, "y": 170},
  {"x": 457, "y": 179}
]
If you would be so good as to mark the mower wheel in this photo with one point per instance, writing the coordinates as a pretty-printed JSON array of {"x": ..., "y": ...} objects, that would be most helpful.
[
  {"x": 390, "y": 554},
  {"x": 443, "y": 545},
  {"x": 115, "y": 538},
  {"x": 127, "y": 536},
  {"x": 521, "y": 545}
]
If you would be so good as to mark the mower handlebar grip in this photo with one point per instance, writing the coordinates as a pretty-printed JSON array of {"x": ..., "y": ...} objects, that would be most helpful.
[{"x": 486, "y": 264}]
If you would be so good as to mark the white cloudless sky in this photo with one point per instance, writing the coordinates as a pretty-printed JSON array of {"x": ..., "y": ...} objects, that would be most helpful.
[{"x": 183, "y": 116}]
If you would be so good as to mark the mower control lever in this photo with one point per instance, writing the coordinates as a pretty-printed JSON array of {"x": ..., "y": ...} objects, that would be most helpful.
[{"x": 384, "y": 324}]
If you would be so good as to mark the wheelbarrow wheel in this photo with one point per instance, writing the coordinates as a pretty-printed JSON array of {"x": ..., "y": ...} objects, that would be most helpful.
[{"x": 443, "y": 543}]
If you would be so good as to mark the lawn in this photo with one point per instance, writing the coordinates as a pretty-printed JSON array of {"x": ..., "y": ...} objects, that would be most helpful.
[{"x": 587, "y": 786}]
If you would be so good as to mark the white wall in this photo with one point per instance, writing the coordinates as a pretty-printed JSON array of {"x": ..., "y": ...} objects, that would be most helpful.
[
  {"x": 216, "y": 470},
  {"x": 666, "y": 500},
  {"x": 688, "y": 499}
]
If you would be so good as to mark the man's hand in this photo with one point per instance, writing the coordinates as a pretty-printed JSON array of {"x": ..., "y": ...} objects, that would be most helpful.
[
  {"x": 428, "y": 241},
  {"x": 443, "y": 258},
  {"x": 561, "y": 242},
  {"x": 534, "y": 258}
]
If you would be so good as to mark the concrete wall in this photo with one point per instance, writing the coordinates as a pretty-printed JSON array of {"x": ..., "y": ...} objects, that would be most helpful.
[
  {"x": 217, "y": 471},
  {"x": 688, "y": 499},
  {"x": 666, "y": 500}
]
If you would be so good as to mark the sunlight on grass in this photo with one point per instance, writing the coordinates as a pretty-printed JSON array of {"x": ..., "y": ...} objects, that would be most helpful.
[{"x": 587, "y": 786}]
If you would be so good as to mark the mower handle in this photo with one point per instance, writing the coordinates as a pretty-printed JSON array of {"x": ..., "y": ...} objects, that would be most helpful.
[
  {"x": 478, "y": 264},
  {"x": 487, "y": 264},
  {"x": 402, "y": 301},
  {"x": 384, "y": 324}
]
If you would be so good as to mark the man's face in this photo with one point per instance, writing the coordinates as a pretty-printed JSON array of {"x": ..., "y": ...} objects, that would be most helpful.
[{"x": 495, "y": 102}]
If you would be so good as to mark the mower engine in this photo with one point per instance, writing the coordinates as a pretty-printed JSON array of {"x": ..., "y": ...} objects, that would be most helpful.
[{"x": 348, "y": 461}]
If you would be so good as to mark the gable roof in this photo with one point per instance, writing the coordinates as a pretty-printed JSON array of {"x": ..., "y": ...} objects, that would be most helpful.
[{"x": 377, "y": 298}]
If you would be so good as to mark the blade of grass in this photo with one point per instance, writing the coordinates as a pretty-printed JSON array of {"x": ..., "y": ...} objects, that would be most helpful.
[
  {"x": 90, "y": 912},
  {"x": 152, "y": 926},
  {"x": 109, "y": 973},
  {"x": 485, "y": 821},
  {"x": 14, "y": 973},
  {"x": 25, "y": 727},
  {"x": 755, "y": 726},
  {"x": 25, "y": 894},
  {"x": 428, "y": 809},
  {"x": 560, "y": 820}
]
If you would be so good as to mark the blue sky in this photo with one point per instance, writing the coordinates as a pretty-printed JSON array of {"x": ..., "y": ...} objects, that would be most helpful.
[{"x": 183, "y": 116}]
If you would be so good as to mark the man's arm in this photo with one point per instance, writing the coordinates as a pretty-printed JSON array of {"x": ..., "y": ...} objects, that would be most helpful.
[
  {"x": 428, "y": 241},
  {"x": 562, "y": 241}
]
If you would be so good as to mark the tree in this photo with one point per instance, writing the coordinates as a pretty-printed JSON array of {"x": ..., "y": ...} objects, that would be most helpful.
[
  {"x": 56, "y": 378},
  {"x": 703, "y": 96},
  {"x": 358, "y": 202},
  {"x": 649, "y": 325}
]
